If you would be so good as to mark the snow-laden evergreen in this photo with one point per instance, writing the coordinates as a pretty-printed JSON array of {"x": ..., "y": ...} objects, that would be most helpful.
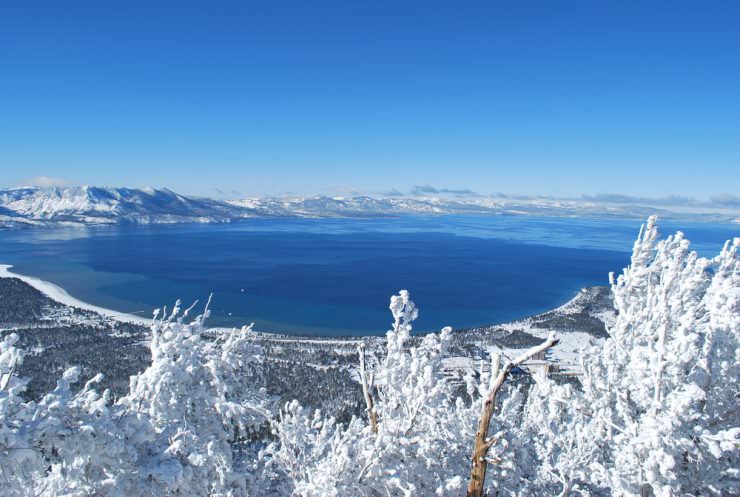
[
  {"x": 172, "y": 435},
  {"x": 667, "y": 379},
  {"x": 199, "y": 395},
  {"x": 655, "y": 412}
]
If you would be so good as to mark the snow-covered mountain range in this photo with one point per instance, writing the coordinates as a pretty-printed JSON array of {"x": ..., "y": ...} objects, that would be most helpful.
[
  {"x": 94, "y": 205},
  {"x": 86, "y": 205}
]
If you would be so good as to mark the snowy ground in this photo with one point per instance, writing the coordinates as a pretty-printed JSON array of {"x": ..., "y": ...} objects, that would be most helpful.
[
  {"x": 567, "y": 352},
  {"x": 579, "y": 323}
]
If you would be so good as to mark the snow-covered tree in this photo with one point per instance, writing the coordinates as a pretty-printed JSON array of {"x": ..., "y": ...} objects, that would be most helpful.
[
  {"x": 424, "y": 435},
  {"x": 173, "y": 434},
  {"x": 17, "y": 455},
  {"x": 658, "y": 412},
  {"x": 560, "y": 428},
  {"x": 199, "y": 394},
  {"x": 66, "y": 444}
]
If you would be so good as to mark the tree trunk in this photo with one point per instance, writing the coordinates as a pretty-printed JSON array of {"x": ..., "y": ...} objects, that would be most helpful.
[
  {"x": 482, "y": 442},
  {"x": 367, "y": 387},
  {"x": 566, "y": 489}
]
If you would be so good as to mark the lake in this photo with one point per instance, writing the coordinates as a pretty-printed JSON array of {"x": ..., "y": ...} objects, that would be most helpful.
[{"x": 334, "y": 277}]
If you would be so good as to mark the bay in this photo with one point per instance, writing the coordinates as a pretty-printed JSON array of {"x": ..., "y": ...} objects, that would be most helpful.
[{"x": 333, "y": 277}]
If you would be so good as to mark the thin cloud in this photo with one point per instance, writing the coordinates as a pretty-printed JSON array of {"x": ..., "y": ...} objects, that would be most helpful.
[
  {"x": 44, "y": 181},
  {"x": 618, "y": 198},
  {"x": 423, "y": 190},
  {"x": 430, "y": 190},
  {"x": 725, "y": 200},
  {"x": 227, "y": 193}
]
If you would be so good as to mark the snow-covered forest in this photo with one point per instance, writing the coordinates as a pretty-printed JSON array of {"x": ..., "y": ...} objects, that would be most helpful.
[{"x": 655, "y": 410}]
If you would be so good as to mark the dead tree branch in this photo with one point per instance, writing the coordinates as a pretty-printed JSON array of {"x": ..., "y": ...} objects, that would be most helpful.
[
  {"x": 367, "y": 379},
  {"x": 482, "y": 443}
]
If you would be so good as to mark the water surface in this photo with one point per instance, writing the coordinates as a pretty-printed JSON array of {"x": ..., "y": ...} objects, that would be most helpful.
[{"x": 334, "y": 276}]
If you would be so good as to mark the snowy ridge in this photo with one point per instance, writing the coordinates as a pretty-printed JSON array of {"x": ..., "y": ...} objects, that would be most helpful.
[
  {"x": 87, "y": 205},
  {"x": 473, "y": 204}
]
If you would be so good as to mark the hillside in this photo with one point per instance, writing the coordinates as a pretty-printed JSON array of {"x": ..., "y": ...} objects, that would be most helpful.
[
  {"x": 88, "y": 205},
  {"x": 59, "y": 336}
]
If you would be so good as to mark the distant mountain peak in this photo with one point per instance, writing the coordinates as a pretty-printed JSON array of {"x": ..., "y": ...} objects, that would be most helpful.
[{"x": 85, "y": 205}]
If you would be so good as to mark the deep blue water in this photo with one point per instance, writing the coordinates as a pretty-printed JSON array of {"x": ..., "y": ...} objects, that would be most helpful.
[{"x": 334, "y": 277}]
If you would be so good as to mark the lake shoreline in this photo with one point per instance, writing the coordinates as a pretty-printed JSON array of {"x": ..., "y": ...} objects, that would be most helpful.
[{"x": 60, "y": 295}]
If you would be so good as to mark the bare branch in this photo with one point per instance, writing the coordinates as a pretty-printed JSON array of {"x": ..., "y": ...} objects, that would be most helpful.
[
  {"x": 5, "y": 378},
  {"x": 367, "y": 380},
  {"x": 482, "y": 443}
]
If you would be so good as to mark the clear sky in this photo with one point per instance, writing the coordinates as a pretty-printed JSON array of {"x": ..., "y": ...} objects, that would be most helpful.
[{"x": 553, "y": 98}]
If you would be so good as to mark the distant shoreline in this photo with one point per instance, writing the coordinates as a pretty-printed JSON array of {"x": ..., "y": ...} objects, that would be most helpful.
[{"x": 60, "y": 295}]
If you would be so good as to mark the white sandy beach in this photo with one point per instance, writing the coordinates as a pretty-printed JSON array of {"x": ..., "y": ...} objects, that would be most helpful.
[{"x": 60, "y": 295}]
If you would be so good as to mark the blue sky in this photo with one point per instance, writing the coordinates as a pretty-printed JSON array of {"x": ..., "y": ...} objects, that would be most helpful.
[{"x": 557, "y": 98}]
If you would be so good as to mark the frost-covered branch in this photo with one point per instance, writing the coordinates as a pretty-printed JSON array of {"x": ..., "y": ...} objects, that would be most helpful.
[{"x": 482, "y": 442}]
